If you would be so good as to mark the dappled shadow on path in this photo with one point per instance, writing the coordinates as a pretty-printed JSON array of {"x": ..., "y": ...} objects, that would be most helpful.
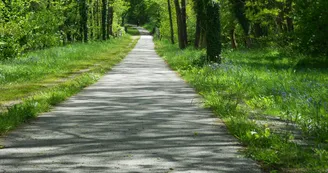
[{"x": 139, "y": 118}]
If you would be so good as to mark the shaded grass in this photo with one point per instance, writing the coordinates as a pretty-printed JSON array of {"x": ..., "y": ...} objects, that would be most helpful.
[
  {"x": 252, "y": 84},
  {"x": 28, "y": 79},
  {"x": 149, "y": 27},
  {"x": 43, "y": 101}
]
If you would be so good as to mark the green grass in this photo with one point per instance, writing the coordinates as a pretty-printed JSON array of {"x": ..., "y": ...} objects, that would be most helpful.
[
  {"x": 149, "y": 27},
  {"x": 45, "y": 78},
  {"x": 132, "y": 31},
  {"x": 252, "y": 84},
  {"x": 33, "y": 72}
]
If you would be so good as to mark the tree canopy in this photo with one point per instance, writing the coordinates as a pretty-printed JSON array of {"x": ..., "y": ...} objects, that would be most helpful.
[{"x": 34, "y": 24}]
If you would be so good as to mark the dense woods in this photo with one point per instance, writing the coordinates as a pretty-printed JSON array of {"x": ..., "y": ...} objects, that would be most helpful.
[
  {"x": 298, "y": 25},
  {"x": 34, "y": 24}
]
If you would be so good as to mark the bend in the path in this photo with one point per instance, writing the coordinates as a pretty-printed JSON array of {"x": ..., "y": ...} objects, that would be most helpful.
[{"x": 140, "y": 117}]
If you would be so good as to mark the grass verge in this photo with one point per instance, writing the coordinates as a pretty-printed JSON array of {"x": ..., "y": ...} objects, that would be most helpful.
[
  {"x": 132, "y": 31},
  {"x": 250, "y": 86},
  {"x": 53, "y": 75}
]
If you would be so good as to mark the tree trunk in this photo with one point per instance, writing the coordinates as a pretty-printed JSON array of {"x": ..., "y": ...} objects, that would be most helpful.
[
  {"x": 110, "y": 20},
  {"x": 182, "y": 44},
  {"x": 171, "y": 21},
  {"x": 239, "y": 9},
  {"x": 200, "y": 35},
  {"x": 184, "y": 21},
  {"x": 84, "y": 20},
  {"x": 91, "y": 20},
  {"x": 178, "y": 15},
  {"x": 103, "y": 19},
  {"x": 98, "y": 33},
  {"x": 198, "y": 31},
  {"x": 213, "y": 34},
  {"x": 234, "y": 44}
]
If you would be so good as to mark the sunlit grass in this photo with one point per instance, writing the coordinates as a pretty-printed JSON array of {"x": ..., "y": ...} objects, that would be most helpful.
[
  {"x": 32, "y": 72},
  {"x": 45, "y": 78},
  {"x": 252, "y": 84}
]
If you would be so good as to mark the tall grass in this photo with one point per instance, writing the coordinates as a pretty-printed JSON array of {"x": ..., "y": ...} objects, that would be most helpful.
[
  {"x": 252, "y": 84},
  {"x": 45, "y": 78},
  {"x": 33, "y": 71}
]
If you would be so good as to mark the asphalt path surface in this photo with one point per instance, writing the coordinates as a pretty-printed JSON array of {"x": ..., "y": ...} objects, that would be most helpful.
[{"x": 140, "y": 117}]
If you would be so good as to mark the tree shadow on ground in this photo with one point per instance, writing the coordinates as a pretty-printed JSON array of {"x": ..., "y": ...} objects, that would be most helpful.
[{"x": 139, "y": 118}]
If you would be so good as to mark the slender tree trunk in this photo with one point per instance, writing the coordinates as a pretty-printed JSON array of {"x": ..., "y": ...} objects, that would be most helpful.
[
  {"x": 239, "y": 9},
  {"x": 171, "y": 21},
  {"x": 91, "y": 19},
  {"x": 94, "y": 20},
  {"x": 234, "y": 44},
  {"x": 182, "y": 44},
  {"x": 200, "y": 35},
  {"x": 84, "y": 20},
  {"x": 184, "y": 21},
  {"x": 103, "y": 19},
  {"x": 110, "y": 20},
  {"x": 200, "y": 41},
  {"x": 98, "y": 33},
  {"x": 213, "y": 34},
  {"x": 198, "y": 31}
]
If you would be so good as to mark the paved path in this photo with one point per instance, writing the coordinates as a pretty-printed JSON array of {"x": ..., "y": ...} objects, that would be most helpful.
[{"x": 140, "y": 117}]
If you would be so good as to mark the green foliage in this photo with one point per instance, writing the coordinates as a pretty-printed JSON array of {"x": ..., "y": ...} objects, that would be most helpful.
[
  {"x": 267, "y": 81},
  {"x": 312, "y": 30},
  {"x": 34, "y": 25}
]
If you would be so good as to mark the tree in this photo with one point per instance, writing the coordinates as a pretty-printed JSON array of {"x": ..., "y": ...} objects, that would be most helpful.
[
  {"x": 200, "y": 34},
  {"x": 84, "y": 19},
  {"x": 239, "y": 9},
  {"x": 171, "y": 21},
  {"x": 110, "y": 19},
  {"x": 213, "y": 34},
  {"x": 312, "y": 30},
  {"x": 104, "y": 19},
  {"x": 181, "y": 23},
  {"x": 184, "y": 21}
]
